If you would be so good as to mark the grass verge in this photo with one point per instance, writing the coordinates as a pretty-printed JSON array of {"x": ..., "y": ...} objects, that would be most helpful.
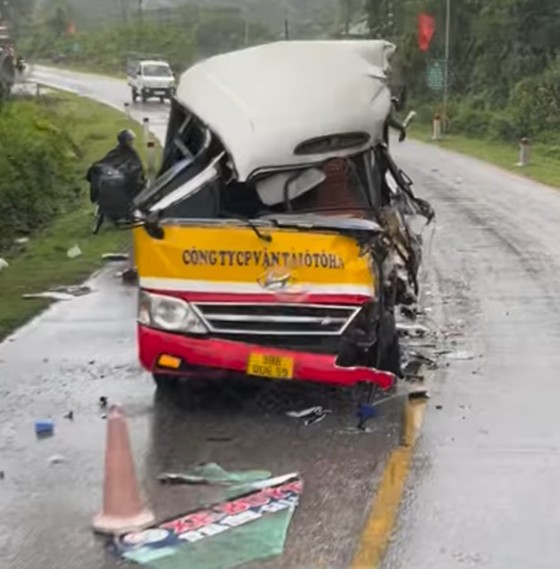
[
  {"x": 543, "y": 167},
  {"x": 42, "y": 263}
]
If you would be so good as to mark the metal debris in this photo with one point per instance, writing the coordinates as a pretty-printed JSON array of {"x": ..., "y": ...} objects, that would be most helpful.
[
  {"x": 304, "y": 413},
  {"x": 461, "y": 355},
  {"x": 412, "y": 330},
  {"x": 56, "y": 459},
  {"x": 213, "y": 474},
  {"x": 312, "y": 415}
]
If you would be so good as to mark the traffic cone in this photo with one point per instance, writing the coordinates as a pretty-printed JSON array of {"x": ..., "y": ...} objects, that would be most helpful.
[{"x": 123, "y": 507}]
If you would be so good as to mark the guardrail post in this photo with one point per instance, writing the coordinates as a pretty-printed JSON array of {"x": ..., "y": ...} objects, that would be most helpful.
[
  {"x": 524, "y": 152},
  {"x": 436, "y": 133},
  {"x": 151, "y": 160},
  {"x": 146, "y": 125}
]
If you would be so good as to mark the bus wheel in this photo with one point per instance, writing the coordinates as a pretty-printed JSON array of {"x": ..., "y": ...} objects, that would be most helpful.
[{"x": 165, "y": 382}]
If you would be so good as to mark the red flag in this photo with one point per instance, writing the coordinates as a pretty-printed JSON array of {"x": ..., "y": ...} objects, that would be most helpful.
[{"x": 426, "y": 29}]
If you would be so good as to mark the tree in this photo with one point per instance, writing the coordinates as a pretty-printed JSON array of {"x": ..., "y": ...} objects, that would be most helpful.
[{"x": 16, "y": 13}]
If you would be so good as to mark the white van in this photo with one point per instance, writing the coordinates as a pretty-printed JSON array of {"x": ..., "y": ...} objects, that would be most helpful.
[{"x": 150, "y": 78}]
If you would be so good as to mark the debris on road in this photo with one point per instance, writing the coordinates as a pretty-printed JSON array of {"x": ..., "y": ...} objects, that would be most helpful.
[
  {"x": 316, "y": 418},
  {"x": 356, "y": 431},
  {"x": 103, "y": 402},
  {"x": 410, "y": 312},
  {"x": 74, "y": 290},
  {"x": 420, "y": 394},
  {"x": 227, "y": 534},
  {"x": 115, "y": 257},
  {"x": 2, "y": 475},
  {"x": 304, "y": 413},
  {"x": 439, "y": 407},
  {"x": 311, "y": 415},
  {"x": 462, "y": 355},
  {"x": 74, "y": 252},
  {"x": 212, "y": 473},
  {"x": 412, "y": 330},
  {"x": 44, "y": 427},
  {"x": 60, "y": 293},
  {"x": 366, "y": 411},
  {"x": 130, "y": 276},
  {"x": 58, "y": 296},
  {"x": 224, "y": 439},
  {"x": 56, "y": 459},
  {"x": 69, "y": 415}
]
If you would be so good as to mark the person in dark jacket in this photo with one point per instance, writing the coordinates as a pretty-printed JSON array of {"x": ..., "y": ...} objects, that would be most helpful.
[{"x": 123, "y": 158}]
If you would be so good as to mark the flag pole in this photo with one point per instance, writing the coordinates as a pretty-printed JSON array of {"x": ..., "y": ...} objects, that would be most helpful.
[{"x": 446, "y": 78}]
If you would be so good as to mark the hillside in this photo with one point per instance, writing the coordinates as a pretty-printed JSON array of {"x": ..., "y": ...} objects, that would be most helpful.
[{"x": 307, "y": 17}]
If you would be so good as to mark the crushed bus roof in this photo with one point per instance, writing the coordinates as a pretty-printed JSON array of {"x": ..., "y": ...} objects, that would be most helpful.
[{"x": 264, "y": 102}]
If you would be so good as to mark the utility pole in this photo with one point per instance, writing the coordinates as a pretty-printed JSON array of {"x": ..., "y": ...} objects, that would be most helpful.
[
  {"x": 286, "y": 29},
  {"x": 446, "y": 78}
]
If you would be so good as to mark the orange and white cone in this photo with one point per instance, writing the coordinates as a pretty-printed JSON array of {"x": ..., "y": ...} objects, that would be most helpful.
[{"x": 123, "y": 507}]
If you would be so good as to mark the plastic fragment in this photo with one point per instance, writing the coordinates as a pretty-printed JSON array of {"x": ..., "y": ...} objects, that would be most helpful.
[{"x": 74, "y": 252}]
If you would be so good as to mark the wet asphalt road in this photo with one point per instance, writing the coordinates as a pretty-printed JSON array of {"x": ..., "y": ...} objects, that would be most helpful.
[
  {"x": 80, "y": 350},
  {"x": 483, "y": 484}
]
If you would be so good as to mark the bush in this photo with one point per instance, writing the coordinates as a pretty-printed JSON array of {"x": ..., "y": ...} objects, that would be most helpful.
[
  {"x": 36, "y": 169},
  {"x": 536, "y": 102}
]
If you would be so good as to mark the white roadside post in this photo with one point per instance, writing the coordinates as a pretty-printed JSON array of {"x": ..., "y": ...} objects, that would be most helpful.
[
  {"x": 436, "y": 132},
  {"x": 146, "y": 125},
  {"x": 151, "y": 161},
  {"x": 524, "y": 152}
]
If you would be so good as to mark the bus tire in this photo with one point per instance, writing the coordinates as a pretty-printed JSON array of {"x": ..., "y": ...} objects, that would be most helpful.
[{"x": 165, "y": 383}]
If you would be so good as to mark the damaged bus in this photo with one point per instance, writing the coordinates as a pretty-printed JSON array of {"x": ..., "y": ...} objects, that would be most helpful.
[{"x": 276, "y": 241}]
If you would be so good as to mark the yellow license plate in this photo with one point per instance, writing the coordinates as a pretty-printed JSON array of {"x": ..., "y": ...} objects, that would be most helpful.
[{"x": 273, "y": 367}]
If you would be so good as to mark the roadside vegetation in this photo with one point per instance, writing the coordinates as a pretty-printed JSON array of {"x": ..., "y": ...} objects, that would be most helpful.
[
  {"x": 504, "y": 74},
  {"x": 47, "y": 146}
]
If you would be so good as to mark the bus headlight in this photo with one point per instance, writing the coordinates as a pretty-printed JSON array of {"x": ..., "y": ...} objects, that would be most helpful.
[{"x": 169, "y": 314}]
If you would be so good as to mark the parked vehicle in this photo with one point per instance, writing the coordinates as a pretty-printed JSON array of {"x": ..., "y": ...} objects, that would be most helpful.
[
  {"x": 276, "y": 241},
  {"x": 149, "y": 78}
]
